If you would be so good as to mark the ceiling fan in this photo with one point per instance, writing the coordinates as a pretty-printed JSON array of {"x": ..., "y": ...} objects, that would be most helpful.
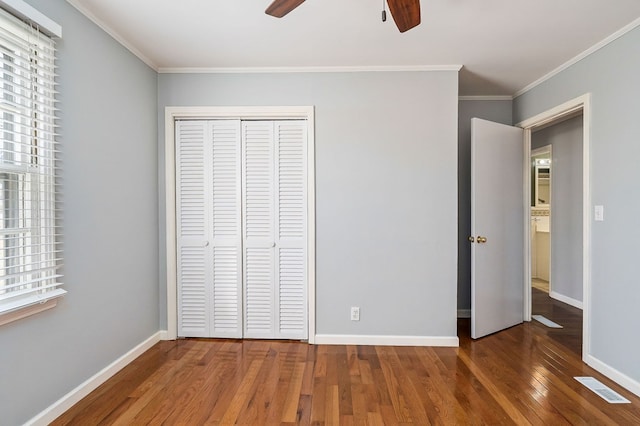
[{"x": 406, "y": 13}]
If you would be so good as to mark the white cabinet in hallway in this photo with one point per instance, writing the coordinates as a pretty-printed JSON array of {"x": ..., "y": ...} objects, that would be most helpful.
[{"x": 540, "y": 244}]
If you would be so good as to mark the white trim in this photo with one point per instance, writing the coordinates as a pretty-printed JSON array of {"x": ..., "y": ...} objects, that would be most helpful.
[
  {"x": 350, "y": 339},
  {"x": 566, "y": 109},
  {"x": 170, "y": 223},
  {"x": 464, "y": 313},
  {"x": 565, "y": 299},
  {"x": 620, "y": 378},
  {"x": 486, "y": 98},
  {"x": 526, "y": 177},
  {"x": 32, "y": 305},
  {"x": 311, "y": 227},
  {"x": 113, "y": 33},
  {"x": 538, "y": 121},
  {"x": 328, "y": 69},
  {"x": 249, "y": 112},
  {"x": 28, "y": 13},
  {"x": 547, "y": 149},
  {"x": 163, "y": 335},
  {"x": 63, "y": 404},
  {"x": 624, "y": 30}
]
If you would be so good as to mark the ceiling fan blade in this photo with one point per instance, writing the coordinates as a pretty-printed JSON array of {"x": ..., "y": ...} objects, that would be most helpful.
[
  {"x": 406, "y": 13},
  {"x": 280, "y": 8}
]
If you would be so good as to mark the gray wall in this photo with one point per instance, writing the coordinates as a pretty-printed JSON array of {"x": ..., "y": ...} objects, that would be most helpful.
[
  {"x": 109, "y": 149},
  {"x": 500, "y": 112},
  {"x": 386, "y": 185},
  {"x": 611, "y": 75},
  {"x": 565, "y": 139}
]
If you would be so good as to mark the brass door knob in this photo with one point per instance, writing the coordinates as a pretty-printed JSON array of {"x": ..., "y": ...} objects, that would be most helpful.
[
  {"x": 481, "y": 239},
  {"x": 471, "y": 239}
]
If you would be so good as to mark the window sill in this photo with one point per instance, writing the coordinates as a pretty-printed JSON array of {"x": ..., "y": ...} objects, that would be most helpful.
[{"x": 29, "y": 306}]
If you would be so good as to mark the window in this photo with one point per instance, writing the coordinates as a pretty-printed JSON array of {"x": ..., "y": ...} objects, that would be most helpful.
[{"x": 30, "y": 246}]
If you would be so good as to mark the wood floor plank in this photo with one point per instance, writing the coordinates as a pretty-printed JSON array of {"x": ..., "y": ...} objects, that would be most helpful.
[
  {"x": 292, "y": 400},
  {"x": 432, "y": 402},
  {"x": 241, "y": 396},
  {"x": 177, "y": 384},
  {"x": 332, "y": 407},
  {"x": 408, "y": 379},
  {"x": 267, "y": 380},
  {"x": 488, "y": 383},
  {"x": 523, "y": 375},
  {"x": 344, "y": 382},
  {"x": 150, "y": 397}
]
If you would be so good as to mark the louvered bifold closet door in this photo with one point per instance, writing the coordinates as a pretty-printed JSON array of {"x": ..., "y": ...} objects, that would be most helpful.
[
  {"x": 209, "y": 228},
  {"x": 291, "y": 228},
  {"x": 194, "y": 264},
  {"x": 275, "y": 228},
  {"x": 258, "y": 220}
]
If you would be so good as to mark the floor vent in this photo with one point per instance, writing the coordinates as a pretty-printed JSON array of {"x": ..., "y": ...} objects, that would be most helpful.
[
  {"x": 604, "y": 391},
  {"x": 546, "y": 321}
]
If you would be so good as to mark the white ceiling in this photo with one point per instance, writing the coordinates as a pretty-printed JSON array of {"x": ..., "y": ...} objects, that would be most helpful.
[{"x": 504, "y": 45}]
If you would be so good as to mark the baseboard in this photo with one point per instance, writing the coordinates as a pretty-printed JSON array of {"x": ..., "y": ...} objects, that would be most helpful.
[
  {"x": 464, "y": 313},
  {"x": 345, "y": 339},
  {"x": 164, "y": 335},
  {"x": 615, "y": 375},
  {"x": 565, "y": 299},
  {"x": 67, "y": 401}
]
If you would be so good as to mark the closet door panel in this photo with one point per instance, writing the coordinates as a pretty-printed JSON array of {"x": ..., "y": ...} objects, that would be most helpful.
[
  {"x": 192, "y": 229},
  {"x": 259, "y": 293},
  {"x": 291, "y": 229},
  {"x": 292, "y": 300},
  {"x": 258, "y": 221},
  {"x": 226, "y": 226}
]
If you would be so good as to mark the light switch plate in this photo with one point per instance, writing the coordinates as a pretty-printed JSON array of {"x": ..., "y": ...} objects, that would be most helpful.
[{"x": 598, "y": 213}]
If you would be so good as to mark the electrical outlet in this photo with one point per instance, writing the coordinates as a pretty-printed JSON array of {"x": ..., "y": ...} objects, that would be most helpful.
[{"x": 355, "y": 313}]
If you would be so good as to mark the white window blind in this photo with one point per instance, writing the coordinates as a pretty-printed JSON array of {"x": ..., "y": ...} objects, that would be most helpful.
[{"x": 30, "y": 244}]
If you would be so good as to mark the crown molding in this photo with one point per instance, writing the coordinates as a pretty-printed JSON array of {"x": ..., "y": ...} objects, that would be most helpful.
[
  {"x": 113, "y": 33},
  {"x": 336, "y": 69},
  {"x": 624, "y": 30},
  {"x": 486, "y": 98}
]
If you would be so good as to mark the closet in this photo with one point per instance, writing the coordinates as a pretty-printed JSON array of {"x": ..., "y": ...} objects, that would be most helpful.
[{"x": 241, "y": 219}]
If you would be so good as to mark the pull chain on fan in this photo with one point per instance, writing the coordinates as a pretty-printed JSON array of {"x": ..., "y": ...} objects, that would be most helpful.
[{"x": 405, "y": 13}]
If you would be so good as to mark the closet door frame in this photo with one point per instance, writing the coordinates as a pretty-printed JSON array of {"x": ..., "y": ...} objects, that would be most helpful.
[{"x": 241, "y": 113}]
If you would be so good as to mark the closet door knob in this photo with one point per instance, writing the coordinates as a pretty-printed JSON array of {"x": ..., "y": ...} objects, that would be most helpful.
[
  {"x": 482, "y": 239},
  {"x": 471, "y": 239}
]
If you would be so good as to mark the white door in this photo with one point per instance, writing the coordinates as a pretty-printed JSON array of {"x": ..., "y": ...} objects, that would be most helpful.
[
  {"x": 275, "y": 229},
  {"x": 291, "y": 229},
  {"x": 193, "y": 229},
  {"x": 497, "y": 223},
  {"x": 242, "y": 228},
  {"x": 209, "y": 228},
  {"x": 224, "y": 178},
  {"x": 258, "y": 213}
]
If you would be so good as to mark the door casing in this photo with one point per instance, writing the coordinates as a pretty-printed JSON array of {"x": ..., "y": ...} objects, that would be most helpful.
[
  {"x": 565, "y": 110},
  {"x": 242, "y": 113}
]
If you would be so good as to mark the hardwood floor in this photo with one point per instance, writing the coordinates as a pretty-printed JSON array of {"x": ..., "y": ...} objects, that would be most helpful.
[
  {"x": 521, "y": 376},
  {"x": 567, "y": 316}
]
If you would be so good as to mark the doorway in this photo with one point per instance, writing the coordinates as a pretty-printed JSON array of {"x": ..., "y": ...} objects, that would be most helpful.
[
  {"x": 567, "y": 289},
  {"x": 540, "y": 259},
  {"x": 556, "y": 229}
]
